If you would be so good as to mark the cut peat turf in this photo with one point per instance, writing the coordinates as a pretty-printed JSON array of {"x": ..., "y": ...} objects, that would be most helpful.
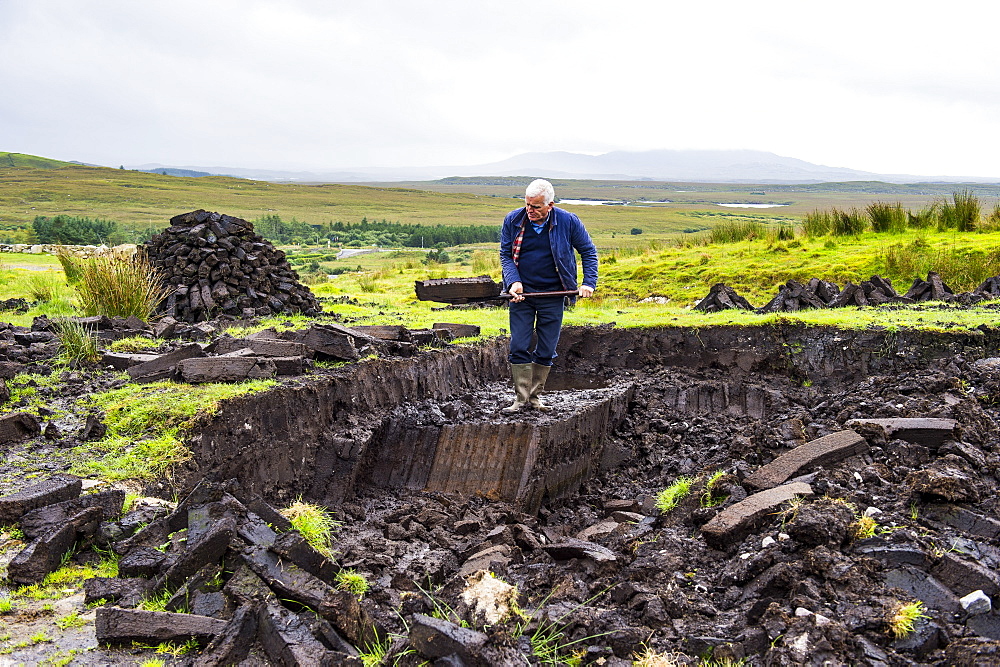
[{"x": 832, "y": 478}]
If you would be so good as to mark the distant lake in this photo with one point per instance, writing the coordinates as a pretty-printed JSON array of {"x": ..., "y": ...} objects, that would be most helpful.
[
  {"x": 592, "y": 202},
  {"x": 609, "y": 202},
  {"x": 751, "y": 205}
]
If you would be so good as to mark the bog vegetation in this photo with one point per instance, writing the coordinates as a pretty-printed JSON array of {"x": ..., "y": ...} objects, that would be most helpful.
[{"x": 650, "y": 278}]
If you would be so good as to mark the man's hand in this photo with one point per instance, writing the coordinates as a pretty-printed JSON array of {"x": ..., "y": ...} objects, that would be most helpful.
[
  {"x": 585, "y": 291},
  {"x": 516, "y": 290}
]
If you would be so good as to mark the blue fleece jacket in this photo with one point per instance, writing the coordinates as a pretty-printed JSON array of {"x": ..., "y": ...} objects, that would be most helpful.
[{"x": 566, "y": 234}]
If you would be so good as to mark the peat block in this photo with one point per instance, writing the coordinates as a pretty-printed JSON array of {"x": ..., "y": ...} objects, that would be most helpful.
[
  {"x": 118, "y": 626},
  {"x": 52, "y": 490},
  {"x": 820, "y": 452}
]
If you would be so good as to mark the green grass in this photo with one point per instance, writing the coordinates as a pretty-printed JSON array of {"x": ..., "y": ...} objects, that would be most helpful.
[
  {"x": 71, "y": 620},
  {"x": 352, "y": 581},
  {"x": 146, "y": 426},
  {"x": 65, "y": 581},
  {"x": 119, "y": 286},
  {"x": 316, "y": 526},
  {"x": 77, "y": 343},
  {"x": 133, "y": 344},
  {"x": 671, "y": 496},
  {"x": 902, "y": 620}
]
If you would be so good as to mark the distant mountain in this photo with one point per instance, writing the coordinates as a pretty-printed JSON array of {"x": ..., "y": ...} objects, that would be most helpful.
[{"x": 706, "y": 166}]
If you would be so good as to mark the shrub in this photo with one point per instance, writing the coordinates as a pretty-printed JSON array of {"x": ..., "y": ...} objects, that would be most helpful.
[
  {"x": 119, "y": 286},
  {"x": 817, "y": 223},
  {"x": 961, "y": 213},
  {"x": 887, "y": 217},
  {"x": 71, "y": 264},
  {"x": 635, "y": 231},
  {"x": 731, "y": 232},
  {"x": 847, "y": 223}
]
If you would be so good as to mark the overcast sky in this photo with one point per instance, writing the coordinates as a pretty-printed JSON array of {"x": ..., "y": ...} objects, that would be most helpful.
[{"x": 893, "y": 87}]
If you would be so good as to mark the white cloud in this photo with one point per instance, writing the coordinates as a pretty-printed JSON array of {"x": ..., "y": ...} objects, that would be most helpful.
[{"x": 889, "y": 86}]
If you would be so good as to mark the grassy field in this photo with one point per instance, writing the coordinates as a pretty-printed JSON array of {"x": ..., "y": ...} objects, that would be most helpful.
[
  {"x": 671, "y": 258},
  {"x": 674, "y": 260},
  {"x": 31, "y": 186}
]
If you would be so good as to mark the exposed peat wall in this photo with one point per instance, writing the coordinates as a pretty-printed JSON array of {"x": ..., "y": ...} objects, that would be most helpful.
[{"x": 329, "y": 436}]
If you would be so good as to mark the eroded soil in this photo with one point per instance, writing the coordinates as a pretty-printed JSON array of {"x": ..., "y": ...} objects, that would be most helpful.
[{"x": 800, "y": 588}]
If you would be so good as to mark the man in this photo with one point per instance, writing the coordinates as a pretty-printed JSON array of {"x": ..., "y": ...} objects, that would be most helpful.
[{"x": 536, "y": 255}]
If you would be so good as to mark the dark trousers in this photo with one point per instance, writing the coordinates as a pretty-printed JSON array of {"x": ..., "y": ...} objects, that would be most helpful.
[{"x": 542, "y": 316}]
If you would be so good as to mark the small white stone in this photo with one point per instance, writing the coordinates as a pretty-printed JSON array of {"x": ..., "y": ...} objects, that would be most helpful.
[
  {"x": 802, "y": 612},
  {"x": 872, "y": 511},
  {"x": 977, "y": 602},
  {"x": 745, "y": 556},
  {"x": 767, "y": 541},
  {"x": 784, "y": 536},
  {"x": 857, "y": 476},
  {"x": 822, "y": 620}
]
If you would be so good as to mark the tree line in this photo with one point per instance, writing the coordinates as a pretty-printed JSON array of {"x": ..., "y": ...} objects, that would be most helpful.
[
  {"x": 81, "y": 230},
  {"x": 372, "y": 233}
]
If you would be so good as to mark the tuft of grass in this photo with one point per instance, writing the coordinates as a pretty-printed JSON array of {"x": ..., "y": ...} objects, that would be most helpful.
[
  {"x": 6, "y": 605},
  {"x": 738, "y": 230},
  {"x": 864, "y": 528},
  {"x": 791, "y": 510},
  {"x": 887, "y": 218},
  {"x": 45, "y": 287},
  {"x": 156, "y": 601},
  {"x": 133, "y": 344},
  {"x": 352, "y": 581},
  {"x": 314, "y": 523},
  {"x": 368, "y": 283},
  {"x": 848, "y": 223},
  {"x": 72, "y": 265},
  {"x": 962, "y": 213},
  {"x": 652, "y": 658},
  {"x": 902, "y": 620},
  {"x": 71, "y": 620},
  {"x": 65, "y": 581},
  {"x": 77, "y": 343},
  {"x": 119, "y": 286},
  {"x": 671, "y": 496},
  {"x": 176, "y": 650},
  {"x": 708, "y": 498}
]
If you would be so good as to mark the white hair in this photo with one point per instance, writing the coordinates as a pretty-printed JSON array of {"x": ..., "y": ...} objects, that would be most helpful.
[{"x": 540, "y": 186}]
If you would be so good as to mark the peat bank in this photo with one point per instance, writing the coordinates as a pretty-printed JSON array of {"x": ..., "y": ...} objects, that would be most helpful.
[{"x": 834, "y": 476}]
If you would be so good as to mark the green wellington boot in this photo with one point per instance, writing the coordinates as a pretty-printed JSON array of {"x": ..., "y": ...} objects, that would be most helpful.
[
  {"x": 521, "y": 373},
  {"x": 539, "y": 374}
]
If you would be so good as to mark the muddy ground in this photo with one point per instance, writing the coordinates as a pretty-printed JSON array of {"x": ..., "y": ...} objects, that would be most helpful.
[{"x": 799, "y": 588}]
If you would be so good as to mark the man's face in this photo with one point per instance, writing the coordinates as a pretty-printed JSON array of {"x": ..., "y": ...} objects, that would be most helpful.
[{"x": 537, "y": 208}]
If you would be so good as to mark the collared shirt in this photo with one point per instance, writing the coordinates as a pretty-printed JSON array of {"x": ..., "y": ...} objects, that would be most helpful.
[{"x": 516, "y": 250}]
